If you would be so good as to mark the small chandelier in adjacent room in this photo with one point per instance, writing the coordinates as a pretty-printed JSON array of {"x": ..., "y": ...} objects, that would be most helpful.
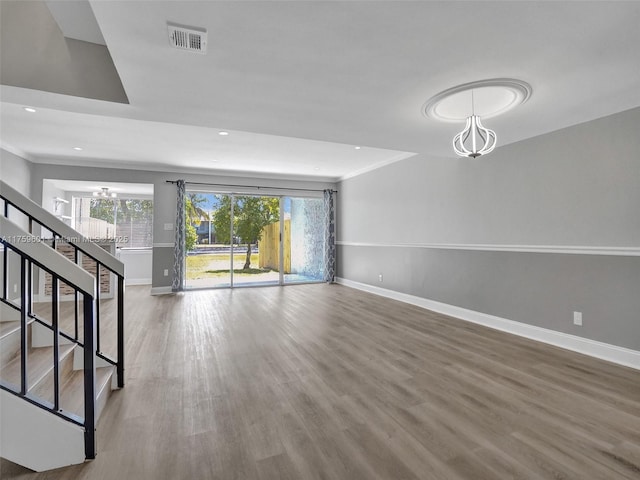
[
  {"x": 104, "y": 193},
  {"x": 475, "y": 139}
]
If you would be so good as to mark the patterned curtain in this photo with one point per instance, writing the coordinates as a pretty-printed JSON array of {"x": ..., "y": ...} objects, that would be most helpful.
[
  {"x": 329, "y": 236},
  {"x": 178, "y": 248}
]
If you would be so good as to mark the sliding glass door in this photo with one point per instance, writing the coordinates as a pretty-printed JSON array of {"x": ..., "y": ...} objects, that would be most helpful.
[
  {"x": 235, "y": 240},
  {"x": 256, "y": 229},
  {"x": 208, "y": 252}
]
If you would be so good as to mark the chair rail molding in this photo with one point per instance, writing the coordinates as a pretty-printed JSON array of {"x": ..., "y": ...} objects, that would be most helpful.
[{"x": 630, "y": 251}]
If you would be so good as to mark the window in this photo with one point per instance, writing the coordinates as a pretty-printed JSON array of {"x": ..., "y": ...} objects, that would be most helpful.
[{"x": 126, "y": 221}]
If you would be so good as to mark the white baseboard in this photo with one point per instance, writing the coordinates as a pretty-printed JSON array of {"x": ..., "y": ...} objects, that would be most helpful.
[
  {"x": 137, "y": 281},
  {"x": 593, "y": 348},
  {"x": 160, "y": 290}
]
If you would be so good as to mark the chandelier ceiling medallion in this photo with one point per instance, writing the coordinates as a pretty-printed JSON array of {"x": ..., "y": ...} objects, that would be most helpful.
[{"x": 471, "y": 101}]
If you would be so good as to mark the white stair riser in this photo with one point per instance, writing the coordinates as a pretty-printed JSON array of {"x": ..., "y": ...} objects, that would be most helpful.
[
  {"x": 9, "y": 346},
  {"x": 78, "y": 360},
  {"x": 44, "y": 387},
  {"x": 104, "y": 394},
  {"x": 42, "y": 336},
  {"x": 8, "y": 314}
]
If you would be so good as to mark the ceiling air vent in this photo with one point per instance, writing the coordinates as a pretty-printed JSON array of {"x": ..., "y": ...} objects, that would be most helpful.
[{"x": 188, "y": 38}]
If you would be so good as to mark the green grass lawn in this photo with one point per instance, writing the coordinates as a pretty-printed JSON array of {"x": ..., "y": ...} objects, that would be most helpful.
[{"x": 217, "y": 265}]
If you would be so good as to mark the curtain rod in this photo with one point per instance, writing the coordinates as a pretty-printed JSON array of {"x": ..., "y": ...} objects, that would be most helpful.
[{"x": 252, "y": 186}]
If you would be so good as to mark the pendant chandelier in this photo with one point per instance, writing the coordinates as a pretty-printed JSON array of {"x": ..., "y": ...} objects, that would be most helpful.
[
  {"x": 104, "y": 193},
  {"x": 489, "y": 98},
  {"x": 475, "y": 139}
]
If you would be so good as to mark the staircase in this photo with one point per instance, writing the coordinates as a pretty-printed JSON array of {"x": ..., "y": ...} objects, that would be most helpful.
[{"x": 61, "y": 336}]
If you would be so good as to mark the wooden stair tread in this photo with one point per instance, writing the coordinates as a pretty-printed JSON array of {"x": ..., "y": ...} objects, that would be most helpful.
[
  {"x": 72, "y": 390},
  {"x": 39, "y": 363},
  {"x": 66, "y": 324},
  {"x": 66, "y": 321}
]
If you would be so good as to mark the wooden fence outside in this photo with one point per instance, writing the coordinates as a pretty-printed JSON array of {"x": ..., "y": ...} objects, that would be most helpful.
[{"x": 269, "y": 247}]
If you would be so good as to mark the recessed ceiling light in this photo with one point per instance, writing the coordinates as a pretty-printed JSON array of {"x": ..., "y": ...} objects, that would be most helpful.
[
  {"x": 317, "y": 168},
  {"x": 29, "y": 109},
  {"x": 77, "y": 148},
  {"x": 223, "y": 133},
  {"x": 357, "y": 148}
]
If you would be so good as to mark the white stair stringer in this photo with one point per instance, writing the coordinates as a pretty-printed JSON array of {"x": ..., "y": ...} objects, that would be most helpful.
[{"x": 37, "y": 439}]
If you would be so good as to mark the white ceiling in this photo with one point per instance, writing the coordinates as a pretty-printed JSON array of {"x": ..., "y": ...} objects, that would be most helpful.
[{"x": 299, "y": 84}]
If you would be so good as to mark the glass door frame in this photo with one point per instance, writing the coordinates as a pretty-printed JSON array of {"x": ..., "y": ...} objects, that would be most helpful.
[
  {"x": 231, "y": 232},
  {"x": 281, "y": 243},
  {"x": 232, "y": 235}
]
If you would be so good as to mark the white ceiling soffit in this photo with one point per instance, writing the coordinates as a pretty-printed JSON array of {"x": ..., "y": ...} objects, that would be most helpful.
[
  {"x": 76, "y": 20},
  {"x": 52, "y": 136},
  {"x": 88, "y": 187},
  {"x": 333, "y": 74}
]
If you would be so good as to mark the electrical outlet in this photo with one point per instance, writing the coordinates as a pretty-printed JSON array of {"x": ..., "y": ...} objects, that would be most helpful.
[
  {"x": 380, "y": 278},
  {"x": 577, "y": 318},
  {"x": 15, "y": 288},
  {"x": 168, "y": 226},
  {"x": 166, "y": 272}
]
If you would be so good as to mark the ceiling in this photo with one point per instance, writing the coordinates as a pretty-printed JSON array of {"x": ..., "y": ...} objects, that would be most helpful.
[
  {"x": 119, "y": 188},
  {"x": 298, "y": 85}
]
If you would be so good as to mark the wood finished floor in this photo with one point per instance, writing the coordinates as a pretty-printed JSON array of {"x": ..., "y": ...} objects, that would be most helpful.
[{"x": 326, "y": 382}]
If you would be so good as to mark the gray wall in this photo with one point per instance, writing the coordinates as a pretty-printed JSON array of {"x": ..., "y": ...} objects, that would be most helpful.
[
  {"x": 579, "y": 186},
  {"x": 164, "y": 198},
  {"x": 16, "y": 171},
  {"x": 49, "y": 193},
  {"x": 36, "y": 55}
]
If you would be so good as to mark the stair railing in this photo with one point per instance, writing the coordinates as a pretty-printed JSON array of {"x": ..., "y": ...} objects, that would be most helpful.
[
  {"x": 32, "y": 254},
  {"x": 82, "y": 247}
]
